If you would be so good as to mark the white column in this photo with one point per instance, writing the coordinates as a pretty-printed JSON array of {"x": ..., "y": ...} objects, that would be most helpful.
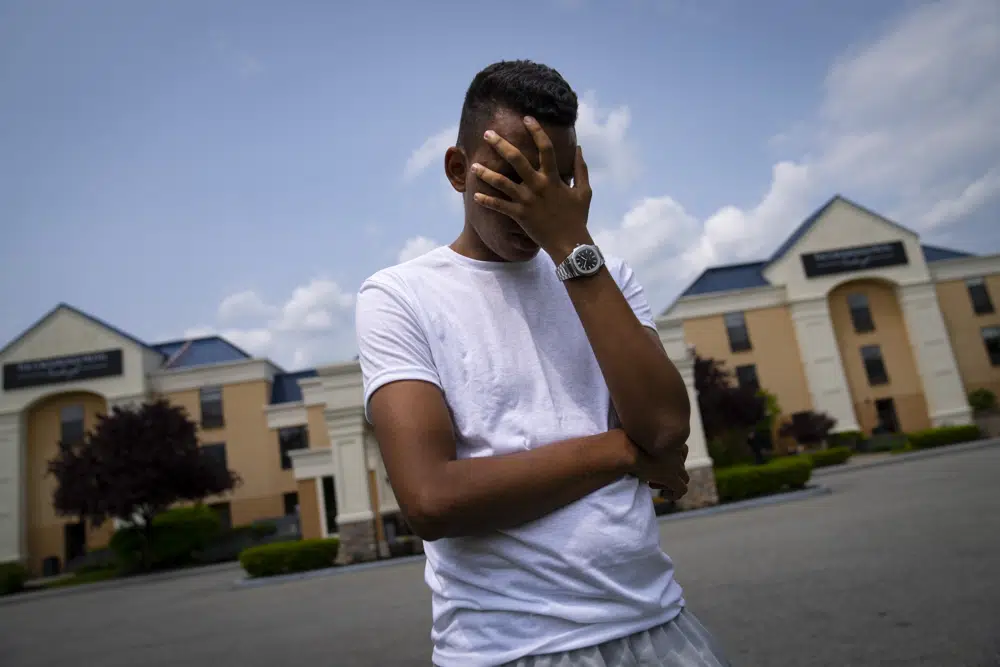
[
  {"x": 13, "y": 529},
  {"x": 347, "y": 439},
  {"x": 821, "y": 357},
  {"x": 943, "y": 389},
  {"x": 672, "y": 337}
]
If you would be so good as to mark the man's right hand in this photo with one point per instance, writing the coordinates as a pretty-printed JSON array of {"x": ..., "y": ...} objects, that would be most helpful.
[{"x": 665, "y": 472}]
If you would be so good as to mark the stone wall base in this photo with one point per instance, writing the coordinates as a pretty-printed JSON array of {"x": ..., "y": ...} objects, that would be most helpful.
[
  {"x": 701, "y": 489},
  {"x": 357, "y": 542}
]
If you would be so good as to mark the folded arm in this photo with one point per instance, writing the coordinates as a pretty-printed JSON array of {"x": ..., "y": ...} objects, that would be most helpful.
[
  {"x": 646, "y": 388},
  {"x": 443, "y": 496}
]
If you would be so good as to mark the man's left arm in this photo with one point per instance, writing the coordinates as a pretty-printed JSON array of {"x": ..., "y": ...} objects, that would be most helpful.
[{"x": 646, "y": 388}]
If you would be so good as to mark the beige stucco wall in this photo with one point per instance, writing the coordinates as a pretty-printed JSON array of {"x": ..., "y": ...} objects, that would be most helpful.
[
  {"x": 774, "y": 351},
  {"x": 252, "y": 449},
  {"x": 45, "y": 528},
  {"x": 965, "y": 330},
  {"x": 905, "y": 386}
]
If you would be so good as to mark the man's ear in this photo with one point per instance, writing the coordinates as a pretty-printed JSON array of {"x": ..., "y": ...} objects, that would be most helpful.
[{"x": 456, "y": 167}]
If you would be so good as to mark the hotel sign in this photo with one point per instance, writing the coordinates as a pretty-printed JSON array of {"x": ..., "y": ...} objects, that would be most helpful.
[
  {"x": 856, "y": 258},
  {"x": 55, "y": 370}
]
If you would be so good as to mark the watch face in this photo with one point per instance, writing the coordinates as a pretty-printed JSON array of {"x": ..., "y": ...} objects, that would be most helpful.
[{"x": 586, "y": 260}]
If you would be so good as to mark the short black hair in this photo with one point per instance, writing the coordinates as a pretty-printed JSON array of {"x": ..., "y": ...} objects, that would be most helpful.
[{"x": 522, "y": 86}]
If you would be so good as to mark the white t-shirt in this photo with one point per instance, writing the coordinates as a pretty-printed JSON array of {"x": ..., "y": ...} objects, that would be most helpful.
[{"x": 506, "y": 346}]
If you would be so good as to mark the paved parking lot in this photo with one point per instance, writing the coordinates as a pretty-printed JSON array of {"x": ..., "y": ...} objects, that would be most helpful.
[{"x": 899, "y": 566}]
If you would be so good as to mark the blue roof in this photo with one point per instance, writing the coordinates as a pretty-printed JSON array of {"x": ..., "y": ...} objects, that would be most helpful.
[
  {"x": 201, "y": 352},
  {"x": 285, "y": 386},
  {"x": 744, "y": 276},
  {"x": 933, "y": 253},
  {"x": 726, "y": 278}
]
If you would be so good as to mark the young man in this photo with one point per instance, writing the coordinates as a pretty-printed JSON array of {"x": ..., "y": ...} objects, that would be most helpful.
[{"x": 524, "y": 405}]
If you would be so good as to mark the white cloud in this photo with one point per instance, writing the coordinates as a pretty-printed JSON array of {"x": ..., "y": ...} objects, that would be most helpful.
[
  {"x": 416, "y": 247},
  {"x": 610, "y": 155},
  {"x": 313, "y": 326},
  {"x": 908, "y": 124},
  {"x": 245, "y": 64},
  {"x": 431, "y": 151}
]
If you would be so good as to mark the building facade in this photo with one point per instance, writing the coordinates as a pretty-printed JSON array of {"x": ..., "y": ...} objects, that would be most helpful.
[
  {"x": 851, "y": 316},
  {"x": 854, "y": 317}
]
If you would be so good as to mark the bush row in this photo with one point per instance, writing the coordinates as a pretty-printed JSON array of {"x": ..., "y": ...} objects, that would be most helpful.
[
  {"x": 943, "y": 435},
  {"x": 830, "y": 457},
  {"x": 749, "y": 481},
  {"x": 12, "y": 578},
  {"x": 269, "y": 560}
]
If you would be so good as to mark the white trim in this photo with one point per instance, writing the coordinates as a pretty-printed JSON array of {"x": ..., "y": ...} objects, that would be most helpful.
[
  {"x": 324, "y": 530},
  {"x": 963, "y": 268},
  {"x": 717, "y": 303},
  {"x": 312, "y": 463},
  {"x": 284, "y": 415},
  {"x": 231, "y": 372}
]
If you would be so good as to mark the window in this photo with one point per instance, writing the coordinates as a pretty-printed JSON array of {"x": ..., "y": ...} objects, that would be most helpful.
[
  {"x": 747, "y": 377},
  {"x": 289, "y": 440},
  {"x": 888, "y": 421},
  {"x": 330, "y": 504},
  {"x": 736, "y": 328},
  {"x": 874, "y": 365},
  {"x": 216, "y": 452},
  {"x": 991, "y": 337},
  {"x": 211, "y": 407},
  {"x": 224, "y": 513},
  {"x": 291, "y": 501},
  {"x": 861, "y": 314},
  {"x": 982, "y": 304},
  {"x": 71, "y": 424}
]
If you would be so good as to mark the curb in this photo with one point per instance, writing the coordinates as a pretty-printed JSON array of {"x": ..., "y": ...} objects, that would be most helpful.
[
  {"x": 811, "y": 491},
  {"x": 893, "y": 459},
  {"x": 111, "y": 584},
  {"x": 248, "y": 582}
]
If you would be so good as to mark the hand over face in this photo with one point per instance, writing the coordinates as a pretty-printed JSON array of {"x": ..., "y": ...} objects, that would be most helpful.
[
  {"x": 665, "y": 472},
  {"x": 549, "y": 210}
]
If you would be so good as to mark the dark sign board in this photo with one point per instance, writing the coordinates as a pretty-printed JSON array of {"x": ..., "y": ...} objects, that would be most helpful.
[
  {"x": 856, "y": 258},
  {"x": 38, "y": 372}
]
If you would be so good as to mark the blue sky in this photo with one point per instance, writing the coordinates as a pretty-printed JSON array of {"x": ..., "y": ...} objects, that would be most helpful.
[{"x": 178, "y": 168}]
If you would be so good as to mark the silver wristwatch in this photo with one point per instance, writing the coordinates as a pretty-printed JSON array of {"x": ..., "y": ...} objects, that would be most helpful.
[{"x": 585, "y": 260}]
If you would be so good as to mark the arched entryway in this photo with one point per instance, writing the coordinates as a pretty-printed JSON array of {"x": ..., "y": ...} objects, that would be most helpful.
[
  {"x": 885, "y": 384},
  {"x": 49, "y": 536}
]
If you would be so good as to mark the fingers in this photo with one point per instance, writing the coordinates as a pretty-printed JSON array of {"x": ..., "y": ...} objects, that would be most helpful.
[
  {"x": 546, "y": 152},
  {"x": 499, "y": 182},
  {"x": 581, "y": 175},
  {"x": 516, "y": 159},
  {"x": 508, "y": 208}
]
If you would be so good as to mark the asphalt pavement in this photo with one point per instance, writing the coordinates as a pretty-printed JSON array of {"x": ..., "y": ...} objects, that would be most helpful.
[{"x": 900, "y": 565}]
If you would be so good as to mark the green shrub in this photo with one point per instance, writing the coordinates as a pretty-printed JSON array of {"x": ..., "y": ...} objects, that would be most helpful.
[
  {"x": 729, "y": 449},
  {"x": 269, "y": 560},
  {"x": 12, "y": 577},
  {"x": 845, "y": 439},
  {"x": 982, "y": 400},
  {"x": 830, "y": 457},
  {"x": 177, "y": 537},
  {"x": 944, "y": 435},
  {"x": 750, "y": 481}
]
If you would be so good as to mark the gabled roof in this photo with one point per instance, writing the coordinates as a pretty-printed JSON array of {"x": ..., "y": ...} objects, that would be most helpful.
[
  {"x": 285, "y": 386},
  {"x": 808, "y": 223},
  {"x": 87, "y": 316},
  {"x": 189, "y": 352},
  {"x": 933, "y": 253}
]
